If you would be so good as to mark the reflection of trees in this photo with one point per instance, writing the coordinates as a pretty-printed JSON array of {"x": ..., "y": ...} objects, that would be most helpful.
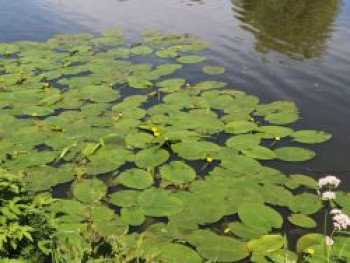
[{"x": 298, "y": 28}]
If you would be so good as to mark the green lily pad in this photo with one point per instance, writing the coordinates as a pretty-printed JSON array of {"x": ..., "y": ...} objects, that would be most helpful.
[
  {"x": 309, "y": 240},
  {"x": 173, "y": 253},
  {"x": 218, "y": 248},
  {"x": 89, "y": 190},
  {"x": 141, "y": 50},
  {"x": 157, "y": 203},
  {"x": 259, "y": 216},
  {"x": 302, "y": 221},
  {"x": 139, "y": 139},
  {"x": 237, "y": 127},
  {"x": 37, "y": 111},
  {"x": 297, "y": 180},
  {"x": 167, "y": 53},
  {"x": 271, "y": 132},
  {"x": 125, "y": 198},
  {"x": 194, "y": 150},
  {"x": 246, "y": 232},
  {"x": 266, "y": 244},
  {"x": 178, "y": 173},
  {"x": 133, "y": 216},
  {"x": 190, "y": 59},
  {"x": 294, "y": 154},
  {"x": 282, "y": 117},
  {"x": 151, "y": 157},
  {"x": 211, "y": 70},
  {"x": 258, "y": 152},
  {"x": 305, "y": 203},
  {"x": 311, "y": 136},
  {"x": 171, "y": 85},
  {"x": 139, "y": 83},
  {"x": 135, "y": 178}
]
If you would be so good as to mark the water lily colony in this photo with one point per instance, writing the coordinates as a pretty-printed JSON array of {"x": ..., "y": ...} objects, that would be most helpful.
[{"x": 150, "y": 167}]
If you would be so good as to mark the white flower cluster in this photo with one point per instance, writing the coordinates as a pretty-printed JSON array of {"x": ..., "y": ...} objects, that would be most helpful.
[
  {"x": 328, "y": 195},
  {"x": 329, "y": 180},
  {"x": 340, "y": 220},
  {"x": 329, "y": 241}
]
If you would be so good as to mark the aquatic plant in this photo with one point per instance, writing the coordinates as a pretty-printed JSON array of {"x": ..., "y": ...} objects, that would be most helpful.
[{"x": 156, "y": 167}]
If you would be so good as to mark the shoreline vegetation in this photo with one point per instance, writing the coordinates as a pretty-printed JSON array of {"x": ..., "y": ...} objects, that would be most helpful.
[{"x": 110, "y": 154}]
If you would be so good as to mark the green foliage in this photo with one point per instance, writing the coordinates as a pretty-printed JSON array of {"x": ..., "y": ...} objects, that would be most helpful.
[{"x": 25, "y": 222}]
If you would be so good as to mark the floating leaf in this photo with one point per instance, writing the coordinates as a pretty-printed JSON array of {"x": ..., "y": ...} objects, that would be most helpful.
[
  {"x": 282, "y": 117},
  {"x": 266, "y": 244},
  {"x": 190, "y": 59},
  {"x": 139, "y": 83},
  {"x": 158, "y": 203},
  {"x": 173, "y": 253},
  {"x": 211, "y": 70},
  {"x": 259, "y": 216},
  {"x": 89, "y": 190},
  {"x": 151, "y": 157},
  {"x": 218, "y": 248},
  {"x": 309, "y": 240},
  {"x": 125, "y": 198},
  {"x": 245, "y": 232},
  {"x": 297, "y": 180},
  {"x": 135, "y": 178},
  {"x": 302, "y": 221},
  {"x": 178, "y": 173},
  {"x": 258, "y": 152},
  {"x": 171, "y": 85},
  {"x": 240, "y": 127},
  {"x": 194, "y": 150},
  {"x": 294, "y": 154},
  {"x": 306, "y": 203},
  {"x": 311, "y": 136},
  {"x": 133, "y": 216}
]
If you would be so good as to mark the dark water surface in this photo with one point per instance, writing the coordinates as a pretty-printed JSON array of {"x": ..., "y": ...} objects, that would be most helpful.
[{"x": 296, "y": 50}]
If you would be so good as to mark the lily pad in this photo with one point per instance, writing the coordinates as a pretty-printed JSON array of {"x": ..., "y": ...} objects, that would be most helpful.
[
  {"x": 294, "y": 154},
  {"x": 302, "y": 221},
  {"x": 89, "y": 190},
  {"x": 135, "y": 178},
  {"x": 151, "y": 157},
  {"x": 194, "y": 150},
  {"x": 212, "y": 70},
  {"x": 178, "y": 173},
  {"x": 190, "y": 59},
  {"x": 218, "y": 248},
  {"x": 259, "y": 216},
  {"x": 311, "y": 136},
  {"x": 158, "y": 202}
]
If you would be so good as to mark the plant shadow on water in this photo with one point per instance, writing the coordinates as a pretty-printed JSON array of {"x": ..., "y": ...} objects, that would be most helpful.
[
  {"x": 298, "y": 29},
  {"x": 134, "y": 150}
]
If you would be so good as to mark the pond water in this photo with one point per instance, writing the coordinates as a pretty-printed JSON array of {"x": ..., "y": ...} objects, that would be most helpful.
[{"x": 276, "y": 49}]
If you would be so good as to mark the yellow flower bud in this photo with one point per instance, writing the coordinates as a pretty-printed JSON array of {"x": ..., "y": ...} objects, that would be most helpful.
[
  {"x": 310, "y": 251},
  {"x": 209, "y": 159},
  {"x": 154, "y": 129},
  {"x": 277, "y": 138}
]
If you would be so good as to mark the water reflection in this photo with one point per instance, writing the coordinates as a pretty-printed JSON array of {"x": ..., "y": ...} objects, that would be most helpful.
[{"x": 297, "y": 28}]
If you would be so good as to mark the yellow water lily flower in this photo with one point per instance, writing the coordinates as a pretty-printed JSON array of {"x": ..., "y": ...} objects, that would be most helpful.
[
  {"x": 310, "y": 251},
  {"x": 277, "y": 138},
  {"x": 209, "y": 159}
]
